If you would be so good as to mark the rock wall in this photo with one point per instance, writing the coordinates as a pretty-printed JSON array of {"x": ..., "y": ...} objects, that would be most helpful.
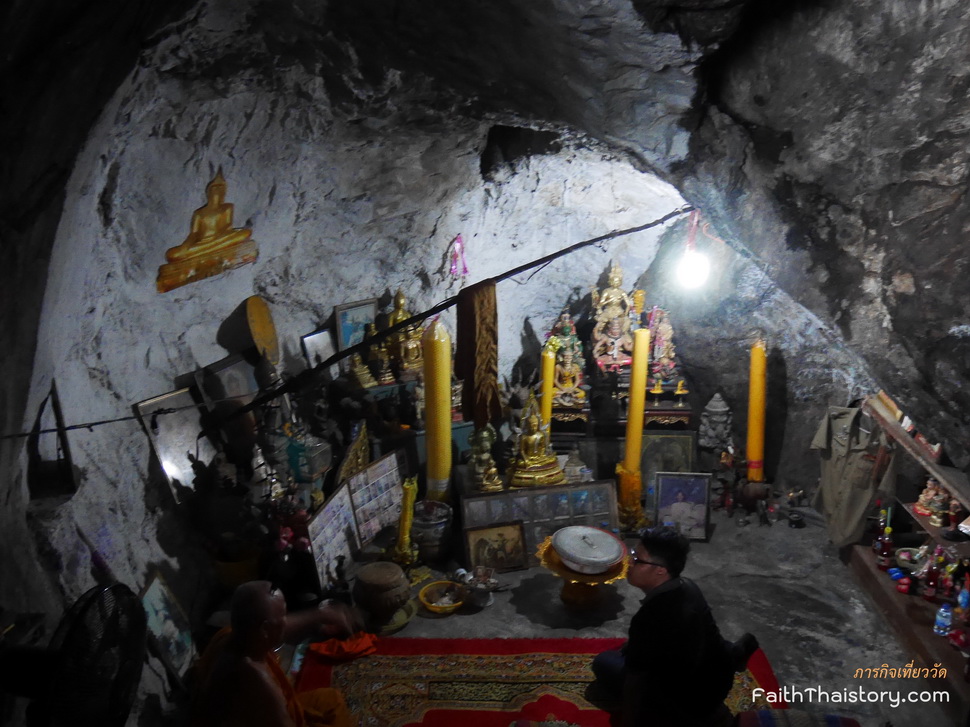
[{"x": 359, "y": 138}]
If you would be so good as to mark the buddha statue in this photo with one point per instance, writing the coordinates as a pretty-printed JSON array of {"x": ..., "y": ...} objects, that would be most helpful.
[
  {"x": 399, "y": 313},
  {"x": 662, "y": 363},
  {"x": 534, "y": 466},
  {"x": 412, "y": 355},
  {"x": 378, "y": 357},
  {"x": 612, "y": 302},
  {"x": 567, "y": 380},
  {"x": 212, "y": 246},
  {"x": 484, "y": 471},
  {"x": 360, "y": 373}
]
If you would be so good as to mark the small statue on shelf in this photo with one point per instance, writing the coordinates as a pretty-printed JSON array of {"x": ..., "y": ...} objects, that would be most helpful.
[
  {"x": 568, "y": 380},
  {"x": 923, "y": 504},
  {"x": 397, "y": 339},
  {"x": 716, "y": 421},
  {"x": 938, "y": 508},
  {"x": 360, "y": 373},
  {"x": 611, "y": 339},
  {"x": 484, "y": 471},
  {"x": 534, "y": 466},
  {"x": 662, "y": 363},
  {"x": 412, "y": 355},
  {"x": 380, "y": 360}
]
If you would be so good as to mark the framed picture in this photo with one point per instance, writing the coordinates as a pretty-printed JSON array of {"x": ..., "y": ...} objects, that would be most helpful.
[
  {"x": 543, "y": 510},
  {"x": 333, "y": 535},
  {"x": 229, "y": 382},
  {"x": 351, "y": 321},
  {"x": 173, "y": 424},
  {"x": 377, "y": 494},
  {"x": 683, "y": 499},
  {"x": 168, "y": 626},
  {"x": 500, "y": 546},
  {"x": 665, "y": 451},
  {"x": 317, "y": 347}
]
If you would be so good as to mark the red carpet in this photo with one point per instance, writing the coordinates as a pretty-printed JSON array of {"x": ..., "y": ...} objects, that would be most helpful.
[{"x": 484, "y": 682}]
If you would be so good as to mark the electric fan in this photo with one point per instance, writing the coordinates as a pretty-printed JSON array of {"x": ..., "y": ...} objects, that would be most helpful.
[{"x": 89, "y": 673}]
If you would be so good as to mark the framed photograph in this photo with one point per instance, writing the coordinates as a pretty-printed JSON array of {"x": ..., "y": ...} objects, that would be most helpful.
[
  {"x": 377, "y": 494},
  {"x": 168, "y": 626},
  {"x": 333, "y": 535},
  {"x": 683, "y": 499},
  {"x": 173, "y": 424},
  {"x": 500, "y": 546},
  {"x": 229, "y": 382},
  {"x": 318, "y": 347},
  {"x": 351, "y": 321}
]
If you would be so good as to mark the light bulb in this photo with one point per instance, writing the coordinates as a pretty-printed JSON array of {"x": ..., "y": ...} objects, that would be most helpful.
[{"x": 693, "y": 269}]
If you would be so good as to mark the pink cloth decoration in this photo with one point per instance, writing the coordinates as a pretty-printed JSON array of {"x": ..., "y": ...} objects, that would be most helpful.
[{"x": 458, "y": 255}]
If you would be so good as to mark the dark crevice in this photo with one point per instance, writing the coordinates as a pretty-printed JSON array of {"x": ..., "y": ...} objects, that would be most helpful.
[{"x": 506, "y": 145}]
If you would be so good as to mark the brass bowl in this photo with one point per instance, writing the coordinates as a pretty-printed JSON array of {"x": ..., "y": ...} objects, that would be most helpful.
[{"x": 433, "y": 593}]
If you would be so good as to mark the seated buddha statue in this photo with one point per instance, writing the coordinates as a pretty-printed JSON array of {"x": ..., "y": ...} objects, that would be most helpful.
[
  {"x": 567, "y": 380},
  {"x": 484, "y": 471},
  {"x": 212, "y": 246},
  {"x": 612, "y": 302},
  {"x": 398, "y": 314},
  {"x": 412, "y": 355},
  {"x": 534, "y": 465}
]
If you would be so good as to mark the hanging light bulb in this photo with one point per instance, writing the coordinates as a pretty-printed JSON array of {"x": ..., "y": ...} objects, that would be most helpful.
[{"x": 694, "y": 267}]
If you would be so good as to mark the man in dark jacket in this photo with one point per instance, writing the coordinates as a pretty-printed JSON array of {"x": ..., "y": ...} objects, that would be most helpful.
[{"x": 676, "y": 669}]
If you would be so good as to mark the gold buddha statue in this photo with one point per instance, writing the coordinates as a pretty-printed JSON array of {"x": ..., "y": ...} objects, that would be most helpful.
[
  {"x": 399, "y": 313},
  {"x": 484, "y": 471},
  {"x": 212, "y": 246},
  {"x": 378, "y": 357},
  {"x": 534, "y": 466},
  {"x": 412, "y": 355},
  {"x": 360, "y": 373}
]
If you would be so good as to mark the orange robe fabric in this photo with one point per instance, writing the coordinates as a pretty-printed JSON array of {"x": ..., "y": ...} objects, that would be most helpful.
[{"x": 323, "y": 707}]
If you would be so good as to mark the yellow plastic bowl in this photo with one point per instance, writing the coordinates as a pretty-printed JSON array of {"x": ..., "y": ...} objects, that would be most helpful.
[{"x": 433, "y": 592}]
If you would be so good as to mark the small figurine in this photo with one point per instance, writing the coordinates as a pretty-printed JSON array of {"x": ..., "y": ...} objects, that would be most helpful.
[
  {"x": 379, "y": 358},
  {"x": 484, "y": 471},
  {"x": 412, "y": 355},
  {"x": 397, "y": 315},
  {"x": 360, "y": 373},
  {"x": 922, "y": 505},
  {"x": 938, "y": 508},
  {"x": 534, "y": 466},
  {"x": 568, "y": 380},
  {"x": 611, "y": 339}
]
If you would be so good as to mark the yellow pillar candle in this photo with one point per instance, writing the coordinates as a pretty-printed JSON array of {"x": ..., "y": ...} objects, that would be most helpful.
[
  {"x": 548, "y": 381},
  {"x": 436, "y": 346},
  {"x": 631, "y": 484},
  {"x": 757, "y": 392}
]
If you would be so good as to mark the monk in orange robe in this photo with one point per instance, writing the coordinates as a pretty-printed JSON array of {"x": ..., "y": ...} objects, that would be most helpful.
[{"x": 240, "y": 681}]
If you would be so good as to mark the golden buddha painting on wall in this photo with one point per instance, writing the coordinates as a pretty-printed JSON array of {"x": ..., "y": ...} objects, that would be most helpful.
[{"x": 212, "y": 246}]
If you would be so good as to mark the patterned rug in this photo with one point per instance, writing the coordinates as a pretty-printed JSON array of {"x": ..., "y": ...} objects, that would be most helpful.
[{"x": 487, "y": 683}]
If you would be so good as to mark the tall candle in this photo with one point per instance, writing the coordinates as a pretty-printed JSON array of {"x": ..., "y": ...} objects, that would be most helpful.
[
  {"x": 629, "y": 475},
  {"x": 403, "y": 551},
  {"x": 548, "y": 380},
  {"x": 757, "y": 392},
  {"x": 436, "y": 345},
  {"x": 638, "y": 390}
]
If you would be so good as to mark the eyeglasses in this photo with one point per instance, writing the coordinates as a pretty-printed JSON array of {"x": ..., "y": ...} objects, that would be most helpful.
[{"x": 639, "y": 561}]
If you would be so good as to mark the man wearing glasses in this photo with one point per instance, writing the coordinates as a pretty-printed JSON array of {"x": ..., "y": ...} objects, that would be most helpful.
[
  {"x": 675, "y": 669},
  {"x": 240, "y": 681}
]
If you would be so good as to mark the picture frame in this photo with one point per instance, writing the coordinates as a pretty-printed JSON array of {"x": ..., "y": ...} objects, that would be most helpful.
[
  {"x": 684, "y": 498},
  {"x": 500, "y": 546},
  {"x": 333, "y": 534},
  {"x": 176, "y": 437},
  {"x": 168, "y": 625},
  {"x": 544, "y": 510},
  {"x": 377, "y": 493},
  {"x": 350, "y": 321},
  {"x": 317, "y": 348},
  {"x": 227, "y": 383}
]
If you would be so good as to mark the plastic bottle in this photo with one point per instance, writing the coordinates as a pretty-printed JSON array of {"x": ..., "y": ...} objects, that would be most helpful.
[
  {"x": 932, "y": 580},
  {"x": 944, "y": 620},
  {"x": 884, "y": 549}
]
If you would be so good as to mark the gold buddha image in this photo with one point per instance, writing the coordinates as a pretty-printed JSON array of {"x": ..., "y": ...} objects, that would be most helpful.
[
  {"x": 534, "y": 466},
  {"x": 212, "y": 246}
]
